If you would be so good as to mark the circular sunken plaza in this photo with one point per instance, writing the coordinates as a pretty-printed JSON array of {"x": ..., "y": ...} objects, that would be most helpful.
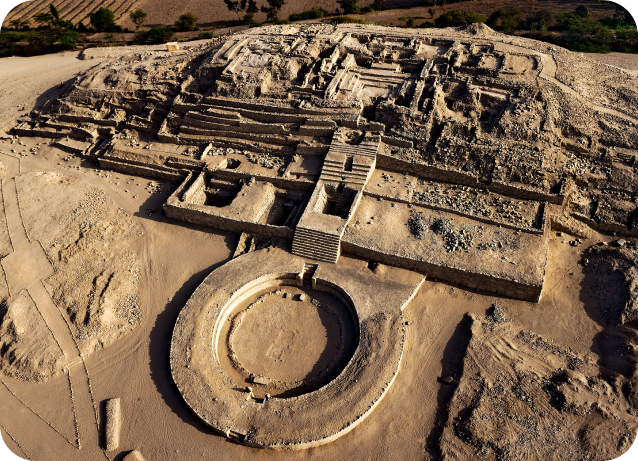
[{"x": 275, "y": 352}]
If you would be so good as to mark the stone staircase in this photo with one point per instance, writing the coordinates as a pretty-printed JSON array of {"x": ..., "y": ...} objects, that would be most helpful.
[
  {"x": 320, "y": 246},
  {"x": 341, "y": 165},
  {"x": 309, "y": 270}
]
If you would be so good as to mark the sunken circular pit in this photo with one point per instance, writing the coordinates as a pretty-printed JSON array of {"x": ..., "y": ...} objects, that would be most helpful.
[
  {"x": 274, "y": 358},
  {"x": 287, "y": 340}
]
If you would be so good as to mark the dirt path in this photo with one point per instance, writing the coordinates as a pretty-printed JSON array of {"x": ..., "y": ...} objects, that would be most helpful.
[{"x": 28, "y": 266}]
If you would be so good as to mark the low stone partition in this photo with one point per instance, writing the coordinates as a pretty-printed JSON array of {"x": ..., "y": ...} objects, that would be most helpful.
[
  {"x": 72, "y": 118},
  {"x": 204, "y": 215}
]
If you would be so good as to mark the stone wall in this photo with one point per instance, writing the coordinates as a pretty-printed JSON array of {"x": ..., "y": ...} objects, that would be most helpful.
[{"x": 474, "y": 280}]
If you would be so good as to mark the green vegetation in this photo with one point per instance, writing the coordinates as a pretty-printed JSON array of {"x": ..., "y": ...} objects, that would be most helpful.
[
  {"x": 187, "y": 21},
  {"x": 314, "y": 13},
  {"x": 273, "y": 8},
  {"x": 138, "y": 17},
  {"x": 378, "y": 5},
  {"x": 505, "y": 19},
  {"x": 19, "y": 24},
  {"x": 160, "y": 34},
  {"x": 249, "y": 6},
  {"x": 103, "y": 20},
  {"x": 349, "y": 6},
  {"x": 345, "y": 19},
  {"x": 575, "y": 30},
  {"x": 456, "y": 18}
]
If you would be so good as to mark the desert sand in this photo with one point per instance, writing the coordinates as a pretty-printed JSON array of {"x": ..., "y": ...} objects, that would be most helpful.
[{"x": 333, "y": 242}]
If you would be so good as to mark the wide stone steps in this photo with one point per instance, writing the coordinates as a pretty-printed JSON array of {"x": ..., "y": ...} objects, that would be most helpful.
[{"x": 316, "y": 245}]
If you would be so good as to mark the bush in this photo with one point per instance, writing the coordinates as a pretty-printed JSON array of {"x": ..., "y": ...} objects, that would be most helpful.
[
  {"x": 279, "y": 22},
  {"x": 35, "y": 42},
  {"x": 187, "y": 21},
  {"x": 349, "y": 6},
  {"x": 378, "y": 5},
  {"x": 140, "y": 36},
  {"x": 505, "y": 19},
  {"x": 256, "y": 24},
  {"x": 458, "y": 18},
  {"x": 366, "y": 9},
  {"x": 410, "y": 22},
  {"x": 103, "y": 20},
  {"x": 314, "y": 13},
  {"x": 540, "y": 21},
  {"x": 427, "y": 25},
  {"x": 67, "y": 42},
  {"x": 205, "y": 36},
  {"x": 626, "y": 41},
  {"x": 161, "y": 34}
]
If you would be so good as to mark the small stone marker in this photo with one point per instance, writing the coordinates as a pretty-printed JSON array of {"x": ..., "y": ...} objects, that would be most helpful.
[
  {"x": 447, "y": 379},
  {"x": 302, "y": 297},
  {"x": 260, "y": 380},
  {"x": 113, "y": 424}
]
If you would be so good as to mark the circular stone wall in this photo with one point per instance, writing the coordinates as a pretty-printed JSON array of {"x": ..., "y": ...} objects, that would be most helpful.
[{"x": 272, "y": 364}]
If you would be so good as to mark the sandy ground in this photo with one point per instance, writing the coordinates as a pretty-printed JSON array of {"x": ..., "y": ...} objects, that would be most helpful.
[
  {"x": 28, "y": 82},
  {"x": 174, "y": 259},
  {"x": 623, "y": 60}
]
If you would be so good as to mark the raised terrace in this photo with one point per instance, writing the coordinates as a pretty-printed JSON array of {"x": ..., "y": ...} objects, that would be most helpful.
[{"x": 446, "y": 155}]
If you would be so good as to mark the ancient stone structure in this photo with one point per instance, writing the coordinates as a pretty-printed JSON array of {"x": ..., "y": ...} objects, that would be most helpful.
[{"x": 447, "y": 152}]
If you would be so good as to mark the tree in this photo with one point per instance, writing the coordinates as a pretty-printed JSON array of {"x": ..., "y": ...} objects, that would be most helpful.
[
  {"x": 458, "y": 18},
  {"x": 349, "y": 6},
  {"x": 103, "y": 20},
  {"x": 43, "y": 18},
  {"x": 187, "y": 21},
  {"x": 249, "y": 6},
  {"x": 233, "y": 6},
  {"x": 138, "y": 17},
  {"x": 19, "y": 24},
  {"x": 54, "y": 13},
  {"x": 160, "y": 34},
  {"x": 272, "y": 10}
]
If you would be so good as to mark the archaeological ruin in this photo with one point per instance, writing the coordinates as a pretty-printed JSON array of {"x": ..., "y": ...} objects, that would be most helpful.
[{"x": 354, "y": 162}]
